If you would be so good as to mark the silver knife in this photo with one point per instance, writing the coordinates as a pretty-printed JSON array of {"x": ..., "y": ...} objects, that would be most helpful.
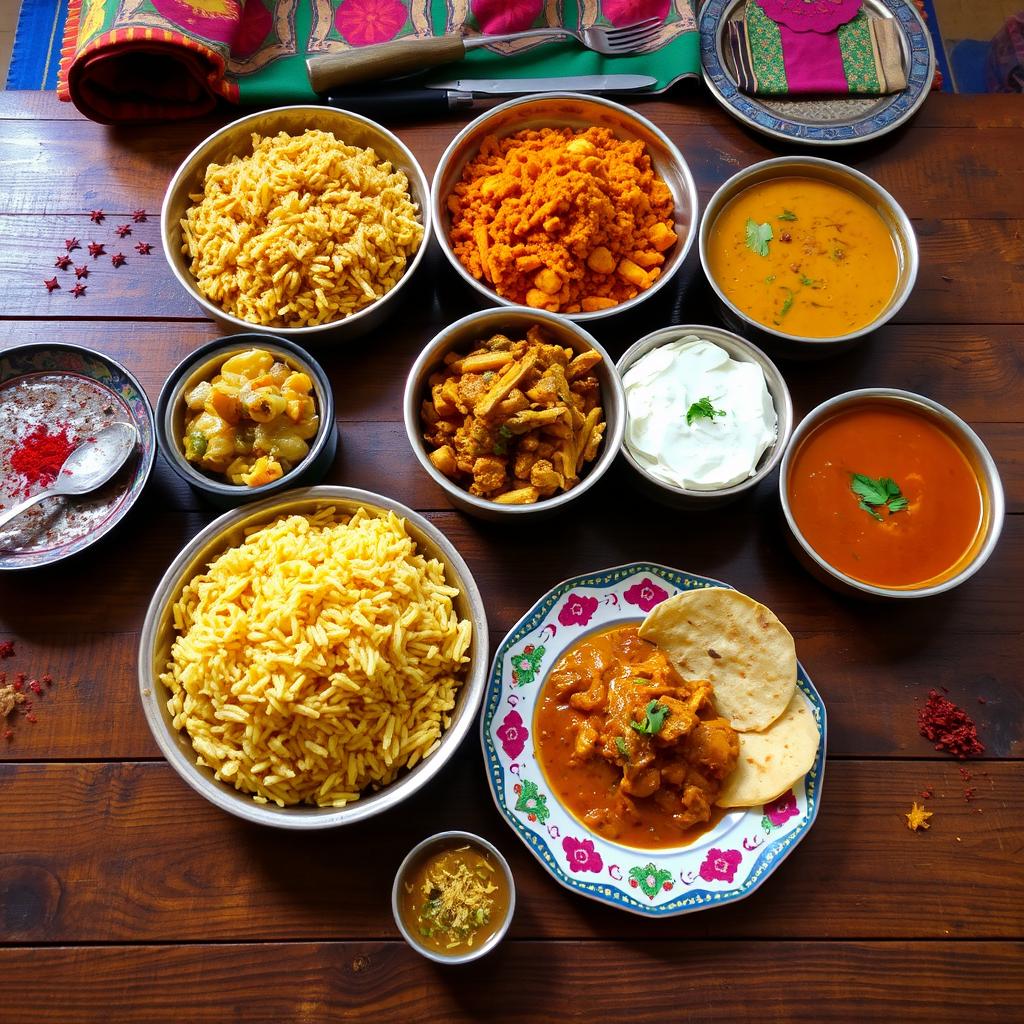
[{"x": 569, "y": 83}]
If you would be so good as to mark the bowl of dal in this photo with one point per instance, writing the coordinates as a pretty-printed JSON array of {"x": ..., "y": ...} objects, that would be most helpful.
[
  {"x": 312, "y": 237},
  {"x": 807, "y": 256},
  {"x": 889, "y": 494},
  {"x": 314, "y": 659},
  {"x": 503, "y": 237}
]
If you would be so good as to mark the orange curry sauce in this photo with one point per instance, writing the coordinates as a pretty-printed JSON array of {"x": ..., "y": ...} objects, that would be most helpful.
[
  {"x": 643, "y": 789},
  {"x": 922, "y": 543}
]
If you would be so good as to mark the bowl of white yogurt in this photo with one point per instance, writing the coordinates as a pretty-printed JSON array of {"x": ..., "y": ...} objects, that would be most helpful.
[{"x": 708, "y": 415}]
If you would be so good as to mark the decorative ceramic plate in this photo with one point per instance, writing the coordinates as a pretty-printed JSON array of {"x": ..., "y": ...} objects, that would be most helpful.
[
  {"x": 55, "y": 387},
  {"x": 723, "y": 865},
  {"x": 825, "y": 121}
]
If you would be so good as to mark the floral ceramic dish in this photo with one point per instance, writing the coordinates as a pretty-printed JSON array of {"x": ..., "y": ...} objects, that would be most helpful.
[{"x": 723, "y": 865}]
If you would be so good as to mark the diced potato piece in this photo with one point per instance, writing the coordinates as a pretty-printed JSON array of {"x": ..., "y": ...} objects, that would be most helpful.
[
  {"x": 548, "y": 281},
  {"x": 592, "y": 304},
  {"x": 224, "y": 405},
  {"x": 528, "y": 263},
  {"x": 264, "y": 471},
  {"x": 444, "y": 460},
  {"x": 581, "y": 147},
  {"x": 536, "y": 299},
  {"x": 552, "y": 224},
  {"x": 520, "y": 496},
  {"x": 662, "y": 236},
  {"x": 249, "y": 364},
  {"x": 582, "y": 364},
  {"x": 601, "y": 261},
  {"x": 590, "y": 164},
  {"x": 198, "y": 395},
  {"x": 630, "y": 272},
  {"x": 298, "y": 382},
  {"x": 482, "y": 362},
  {"x": 263, "y": 406}
]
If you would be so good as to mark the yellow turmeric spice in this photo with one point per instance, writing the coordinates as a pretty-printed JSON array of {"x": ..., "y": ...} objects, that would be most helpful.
[{"x": 564, "y": 220}]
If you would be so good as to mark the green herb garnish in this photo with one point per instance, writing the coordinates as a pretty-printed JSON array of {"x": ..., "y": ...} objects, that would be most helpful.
[
  {"x": 788, "y": 304},
  {"x": 654, "y": 718},
  {"x": 702, "y": 409},
  {"x": 769, "y": 279},
  {"x": 196, "y": 444},
  {"x": 808, "y": 282},
  {"x": 758, "y": 236},
  {"x": 875, "y": 494},
  {"x": 623, "y": 749},
  {"x": 786, "y": 215}
]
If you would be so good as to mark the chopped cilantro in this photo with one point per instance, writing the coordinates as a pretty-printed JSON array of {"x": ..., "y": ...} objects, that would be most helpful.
[
  {"x": 654, "y": 718},
  {"x": 786, "y": 215},
  {"x": 758, "y": 236},
  {"x": 623, "y": 749},
  {"x": 702, "y": 409},
  {"x": 874, "y": 494}
]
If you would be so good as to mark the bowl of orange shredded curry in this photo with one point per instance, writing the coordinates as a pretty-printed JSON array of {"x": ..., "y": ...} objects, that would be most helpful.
[{"x": 566, "y": 203}]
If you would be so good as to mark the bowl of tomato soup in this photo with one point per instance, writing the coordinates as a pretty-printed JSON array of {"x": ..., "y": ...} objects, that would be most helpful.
[
  {"x": 890, "y": 494},
  {"x": 808, "y": 254}
]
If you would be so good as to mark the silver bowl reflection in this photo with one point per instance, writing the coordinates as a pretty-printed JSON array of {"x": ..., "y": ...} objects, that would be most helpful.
[
  {"x": 557, "y": 110},
  {"x": 235, "y": 139}
]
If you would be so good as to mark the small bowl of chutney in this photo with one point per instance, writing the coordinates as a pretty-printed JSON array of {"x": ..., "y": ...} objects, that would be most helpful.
[{"x": 453, "y": 897}]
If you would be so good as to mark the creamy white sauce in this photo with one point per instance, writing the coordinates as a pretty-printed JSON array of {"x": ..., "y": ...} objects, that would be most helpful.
[{"x": 708, "y": 454}]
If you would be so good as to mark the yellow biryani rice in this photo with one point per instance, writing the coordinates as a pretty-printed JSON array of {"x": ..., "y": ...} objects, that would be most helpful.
[
  {"x": 304, "y": 231},
  {"x": 317, "y": 659}
]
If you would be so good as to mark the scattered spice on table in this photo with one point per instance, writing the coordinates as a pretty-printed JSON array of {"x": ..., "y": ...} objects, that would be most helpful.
[
  {"x": 40, "y": 454},
  {"x": 96, "y": 249},
  {"x": 927, "y": 793},
  {"x": 63, "y": 261},
  {"x": 71, "y": 244},
  {"x": 118, "y": 259},
  {"x": 139, "y": 216},
  {"x": 82, "y": 271},
  {"x": 144, "y": 248},
  {"x": 6, "y": 649},
  {"x": 917, "y": 818},
  {"x": 949, "y": 727},
  {"x": 97, "y": 216},
  {"x": 123, "y": 230},
  {"x": 52, "y": 284},
  {"x": 13, "y": 696},
  {"x": 78, "y": 290}
]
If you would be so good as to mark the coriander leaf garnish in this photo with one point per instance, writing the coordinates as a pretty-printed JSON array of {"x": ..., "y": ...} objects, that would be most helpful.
[
  {"x": 788, "y": 304},
  {"x": 874, "y": 494},
  {"x": 702, "y": 410},
  {"x": 758, "y": 236},
  {"x": 808, "y": 282},
  {"x": 786, "y": 215},
  {"x": 769, "y": 279},
  {"x": 623, "y": 749},
  {"x": 654, "y": 718}
]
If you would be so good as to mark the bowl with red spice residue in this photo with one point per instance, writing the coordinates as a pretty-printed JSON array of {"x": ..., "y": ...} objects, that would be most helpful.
[{"x": 54, "y": 397}]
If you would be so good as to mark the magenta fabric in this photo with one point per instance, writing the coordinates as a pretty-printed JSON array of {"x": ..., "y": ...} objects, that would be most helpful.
[
  {"x": 811, "y": 15},
  {"x": 814, "y": 61}
]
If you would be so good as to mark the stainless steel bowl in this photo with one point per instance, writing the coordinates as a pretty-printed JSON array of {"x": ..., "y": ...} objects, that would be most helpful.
[
  {"x": 512, "y": 320},
  {"x": 744, "y": 352},
  {"x": 556, "y": 110},
  {"x": 158, "y": 635},
  {"x": 447, "y": 839},
  {"x": 993, "y": 503},
  {"x": 203, "y": 364},
  {"x": 793, "y": 345},
  {"x": 235, "y": 140}
]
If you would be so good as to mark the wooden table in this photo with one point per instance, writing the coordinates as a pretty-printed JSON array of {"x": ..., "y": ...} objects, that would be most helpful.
[{"x": 126, "y": 897}]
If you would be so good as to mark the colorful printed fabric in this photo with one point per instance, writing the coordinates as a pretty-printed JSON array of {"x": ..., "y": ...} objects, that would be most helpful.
[
  {"x": 861, "y": 56},
  {"x": 131, "y": 60}
]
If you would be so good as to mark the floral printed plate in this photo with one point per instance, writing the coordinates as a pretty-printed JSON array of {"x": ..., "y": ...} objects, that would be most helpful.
[{"x": 723, "y": 865}]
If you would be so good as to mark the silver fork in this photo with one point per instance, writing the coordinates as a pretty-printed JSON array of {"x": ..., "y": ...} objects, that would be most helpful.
[{"x": 413, "y": 53}]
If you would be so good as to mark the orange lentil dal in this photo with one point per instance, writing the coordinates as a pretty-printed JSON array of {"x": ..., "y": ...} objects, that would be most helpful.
[{"x": 564, "y": 220}]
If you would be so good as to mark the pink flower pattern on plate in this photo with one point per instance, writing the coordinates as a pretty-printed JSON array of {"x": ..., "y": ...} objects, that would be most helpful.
[
  {"x": 720, "y": 865},
  {"x": 513, "y": 734},
  {"x": 578, "y": 610},
  {"x": 645, "y": 594},
  {"x": 497, "y": 16},
  {"x": 581, "y": 855},
  {"x": 781, "y": 809},
  {"x": 365, "y": 22}
]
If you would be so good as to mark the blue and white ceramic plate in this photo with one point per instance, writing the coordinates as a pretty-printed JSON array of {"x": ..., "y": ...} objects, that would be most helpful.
[
  {"x": 828, "y": 121},
  {"x": 724, "y": 865}
]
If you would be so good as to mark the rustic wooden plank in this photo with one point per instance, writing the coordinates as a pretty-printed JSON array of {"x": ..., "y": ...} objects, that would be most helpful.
[
  {"x": 275, "y": 983},
  {"x": 146, "y": 852}
]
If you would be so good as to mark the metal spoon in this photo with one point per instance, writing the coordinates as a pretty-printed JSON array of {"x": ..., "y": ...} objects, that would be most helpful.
[{"x": 88, "y": 467}]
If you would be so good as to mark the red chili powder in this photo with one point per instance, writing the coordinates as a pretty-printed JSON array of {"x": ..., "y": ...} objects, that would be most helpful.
[
  {"x": 949, "y": 727},
  {"x": 40, "y": 455}
]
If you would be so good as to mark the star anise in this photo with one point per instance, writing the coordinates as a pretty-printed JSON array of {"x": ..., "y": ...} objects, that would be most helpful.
[
  {"x": 118, "y": 259},
  {"x": 52, "y": 284},
  {"x": 139, "y": 216},
  {"x": 123, "y": 230},
  {"x": 71, "y": 244},
  {"x": 144, "y": 248},
  {"x": 63, "y": 261},
  {"x": 97, "y": 216},
  {"x": 96, "y": 249},
  {"x": 78, "y": 290},
  {"x": 82, "y": 271}
]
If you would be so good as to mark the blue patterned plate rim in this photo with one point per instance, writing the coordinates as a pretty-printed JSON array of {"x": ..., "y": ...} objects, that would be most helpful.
[
  {"x": 748, "y": 109},
  {"x": 22, "y": 360},
  {"x": 768, "y": 852}
]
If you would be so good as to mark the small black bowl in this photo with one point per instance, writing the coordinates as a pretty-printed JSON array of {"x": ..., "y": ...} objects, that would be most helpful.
[{"x": 203, "y": 364}]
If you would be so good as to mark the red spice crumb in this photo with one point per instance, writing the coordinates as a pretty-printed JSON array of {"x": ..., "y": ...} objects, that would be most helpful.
[
  {"x": 63, "y": 261},
  {"x": 96, "y": 249},
  {"x": 82, "y": 271},
  {"x": 6, "y": 649},
  {"x": 35, "y": 686},
  {"x": 949, "y": 727},
  {"x": 71, "y": 244},
  {"x": 965, "y": 774},
  {"x": 139, "y": 216},
  {"x": 40, "y": 455},
  {"x": 31, "y": 717},
  {"x": 927, "y": 794},
  {"x": 78, "y": 290},
  {"x": 144, "y": 248},
  {"x": 969, "y": 793},
  {"x": 982, "y": 700},
  {"x": 97, "y": 216},
  {"x": 46, "y": 680},
  {"x": 19, "y": 682},
  {"x": 118, "y": 259},
  {"x": 52, "y": 284},
  {"x": 8, "y": 734},
  {"x": 123, "y": 230}
]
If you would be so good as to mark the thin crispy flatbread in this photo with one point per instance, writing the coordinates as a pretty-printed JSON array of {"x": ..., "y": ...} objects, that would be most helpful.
[
  {"x": 739, "y": 645},
  {"x": 771, "y": 761}
]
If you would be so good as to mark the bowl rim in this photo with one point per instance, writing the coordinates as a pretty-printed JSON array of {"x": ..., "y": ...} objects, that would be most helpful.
[
  {"x": 301, "y": 817},
  {"x": 412, "y": 398},
  {"x": 989, "y": 477},
  {"x": 437, "y": 201},
  {"x": 313, "y": 332},
  {"x": 499, "y": 933},
  {"x": 782, "y": 438},
  {"x": 170, "y": 393},
  {"x": 910, "y": 250}
]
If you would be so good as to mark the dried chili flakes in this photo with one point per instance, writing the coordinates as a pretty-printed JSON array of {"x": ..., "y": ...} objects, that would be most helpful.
[
  {"x": 123, "y": 230},
  {"x": 13, "y": 697},
  {"x": 949, "y": 727},
  {"x": 63, "y": 261},
  {"x": 78, "y": 290},
  {"x": 71, "y": 244},
  {"x": 82, "y": 271},
  {"x": 96, "y": 249},
  {"x": 139, "y": 216},
  {"x": 40, "y": 454},
  {"x": 97, "y": 216},
  {"x": 52, "y": 284},
  {"x": 144, "y": 248},
  {"x": 118, "y": 259}
]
